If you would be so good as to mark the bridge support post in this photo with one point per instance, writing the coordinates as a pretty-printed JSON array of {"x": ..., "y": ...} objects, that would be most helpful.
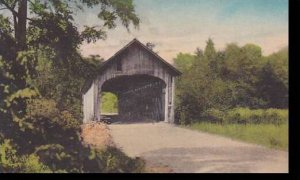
[
  {"x": 172, "y": 118},
  {"x": 166, "y": 103},
  {"x": 90, "y": 103},
  {"x": 97, "y": 102}
]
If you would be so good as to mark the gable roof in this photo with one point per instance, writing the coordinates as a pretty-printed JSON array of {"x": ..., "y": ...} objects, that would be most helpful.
[
  {"x": 106, "y": 63},
  {"x": 135, "y": 41}
]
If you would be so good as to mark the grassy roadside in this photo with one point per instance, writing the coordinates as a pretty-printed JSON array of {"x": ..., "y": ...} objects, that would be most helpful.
[{"x": 270, "y": 135}]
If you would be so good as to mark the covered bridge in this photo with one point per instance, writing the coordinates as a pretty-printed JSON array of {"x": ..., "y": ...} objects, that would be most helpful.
[{"x": 143, "y": 82}]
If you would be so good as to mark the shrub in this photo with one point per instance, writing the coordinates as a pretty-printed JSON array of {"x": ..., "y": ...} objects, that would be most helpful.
[
  {"x": 50, "y": 141},
  {"x": 10, "y": 161},
  {"x": 276, "y": 116},
  {"x": 247, "y": 116},
  {"x": 238, "y": 115},
  {"x": 256, "y": 116},
  {"x": 183, "y": 117},
  {"x": 118, "y": 162},
  {"x": 214, "y": 115}
]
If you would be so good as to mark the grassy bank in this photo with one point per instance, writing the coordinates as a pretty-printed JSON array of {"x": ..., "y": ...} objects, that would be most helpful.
[{"x": 270, "y": 135}]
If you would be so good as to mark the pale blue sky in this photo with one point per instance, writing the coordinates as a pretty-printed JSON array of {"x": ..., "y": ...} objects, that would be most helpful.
[{"x": 183, "y": 25}]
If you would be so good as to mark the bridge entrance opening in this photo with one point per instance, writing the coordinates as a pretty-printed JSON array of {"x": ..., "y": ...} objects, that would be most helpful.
[
  {"x": 140, "y": 98},
  {"x": 109, "y": 103}
]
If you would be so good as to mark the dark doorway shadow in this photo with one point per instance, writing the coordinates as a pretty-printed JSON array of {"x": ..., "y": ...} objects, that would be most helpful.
[{"x": 116, "y": 119}]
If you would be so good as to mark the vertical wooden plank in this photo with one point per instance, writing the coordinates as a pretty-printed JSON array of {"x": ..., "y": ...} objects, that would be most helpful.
[
  {"x": 173, "y": 101},
  {"x": 166, "y": 102},
  {"x": 95, "y": 96}
]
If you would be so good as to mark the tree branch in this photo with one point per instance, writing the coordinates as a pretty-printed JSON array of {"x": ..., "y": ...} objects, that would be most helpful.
[
  {"x": 14, "y": 4},
  {"x": 30, "y": 19},
  {"x": 15, "y": 26},
  {"x": 9, "y": 8},
  {"x": 32, "y": 3}
]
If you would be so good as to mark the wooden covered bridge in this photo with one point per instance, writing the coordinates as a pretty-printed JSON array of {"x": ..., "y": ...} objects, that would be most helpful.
[{"x": 143, "y": 82}]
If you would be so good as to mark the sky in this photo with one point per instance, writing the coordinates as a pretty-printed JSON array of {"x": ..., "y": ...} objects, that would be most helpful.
[{"x": 183, "y": 25}]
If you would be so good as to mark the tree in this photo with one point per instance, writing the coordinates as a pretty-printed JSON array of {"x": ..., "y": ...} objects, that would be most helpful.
[
  {"x": 199, "y": 52},
  {"x": 211, "y": 56},
  {"x": 241, "y": 67},
  {"x": 235, "y": 77},
  {"x": 48, "y": 29},
  {"x": 184, "y": 61},
  {"x": 210, "y": 51},
  {"x": 272, "y": 85},
  {"x": 199, "y": 88},
  {"x": 39, "y": 39},
  {"x": 110, "y": 11},
  {"x": 51, "y": 31}
]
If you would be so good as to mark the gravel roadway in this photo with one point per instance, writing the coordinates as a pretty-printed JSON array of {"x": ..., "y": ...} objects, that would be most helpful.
[{"x": 189, "y": 151}]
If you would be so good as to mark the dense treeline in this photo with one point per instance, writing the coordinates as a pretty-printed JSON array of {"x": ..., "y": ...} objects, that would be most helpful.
[{"x": 237, "y": 77}]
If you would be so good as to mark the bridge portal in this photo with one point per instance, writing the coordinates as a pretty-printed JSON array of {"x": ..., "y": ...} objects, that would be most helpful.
[{"x": 143, "y": 82}]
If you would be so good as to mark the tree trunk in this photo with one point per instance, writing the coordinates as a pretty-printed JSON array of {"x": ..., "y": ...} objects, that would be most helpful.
[{"x": 21, "y": 25}]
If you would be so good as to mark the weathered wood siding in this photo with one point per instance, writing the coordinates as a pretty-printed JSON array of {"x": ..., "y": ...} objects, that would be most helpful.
[{"x": 88, "y": 104}]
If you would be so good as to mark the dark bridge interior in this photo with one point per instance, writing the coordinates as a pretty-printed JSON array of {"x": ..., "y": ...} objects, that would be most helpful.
[{"x": 140, "y": 97}]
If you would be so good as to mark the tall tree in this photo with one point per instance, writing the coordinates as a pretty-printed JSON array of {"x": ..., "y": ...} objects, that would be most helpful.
[
  {"x": 210, "y": 51},
  {"x": 272, "y": 84},
  {"x": 212, "y": 58},
  {"x": 49, "y": 26},
  {"x": 41, "y": 31}
]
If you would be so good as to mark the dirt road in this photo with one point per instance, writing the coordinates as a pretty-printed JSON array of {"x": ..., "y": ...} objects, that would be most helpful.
[{"x": 189, "y": 151}]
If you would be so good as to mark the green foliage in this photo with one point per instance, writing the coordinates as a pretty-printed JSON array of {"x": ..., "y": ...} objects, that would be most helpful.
[
  {"x": 199, "y": 88},
  {"x": 118, "y": 162},
  {"x": 215, "y": 81},
  {"x": 247, "y": 116},
  {"x": 273, "y": 82},
  {"x": 23, "y": 93},
  {"x": 184, "y": 61},
  {"x": 37, "y": 108},
  {"x": 257, "y": 116},
  {"x": 109, "y": 103},
  {"x": 51, "y": 36},
  {"x": 210, "y": 51},
  {"x": 12, "y": 162},
  {"x": 214, "y": 115},
  {"x": 90, "y": 34},
  {"x": 41, "y": 72},
  {"x": 50, "y": 141},
  {"x": 270, "y": 135}
]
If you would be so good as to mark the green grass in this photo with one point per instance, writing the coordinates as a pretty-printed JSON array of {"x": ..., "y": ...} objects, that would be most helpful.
[{"x": 270, "y": 135}]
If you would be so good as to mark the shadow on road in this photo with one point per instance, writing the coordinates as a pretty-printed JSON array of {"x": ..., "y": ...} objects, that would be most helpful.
[
  {"x": 187, "y": 160},
  {"x": 116, "y": 120}
]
